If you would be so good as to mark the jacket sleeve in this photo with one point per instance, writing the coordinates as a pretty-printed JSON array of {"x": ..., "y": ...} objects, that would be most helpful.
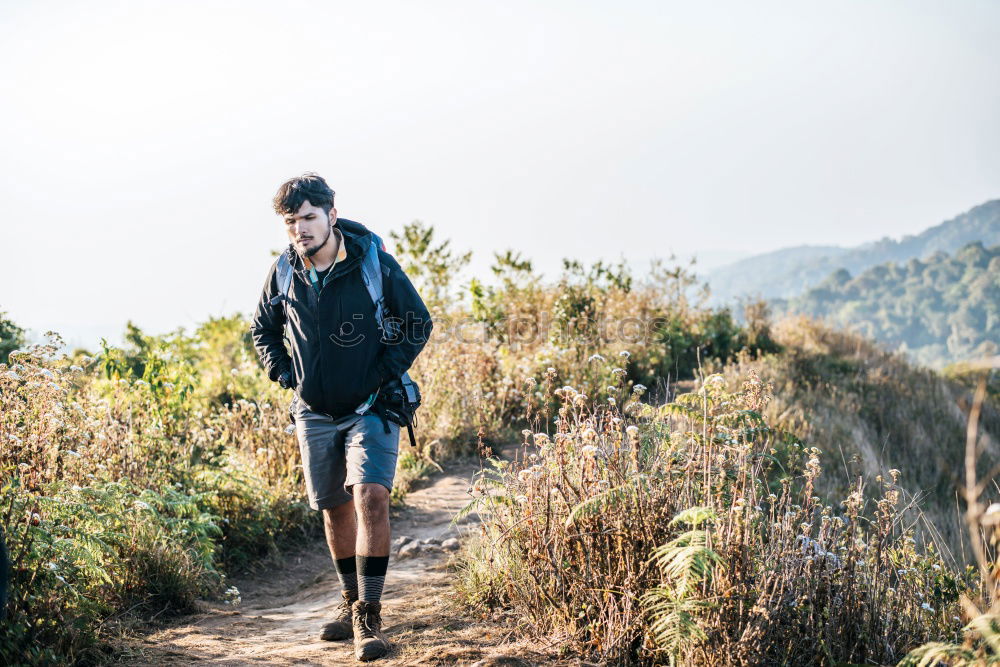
[
  {"x": 408, "y": 310},
  {"x": 267, "y": 329}
]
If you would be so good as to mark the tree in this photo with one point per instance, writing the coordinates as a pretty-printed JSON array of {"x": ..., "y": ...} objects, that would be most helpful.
[
  {"x": 11, "y": 337},
  {"x": 432, "y": 268}
]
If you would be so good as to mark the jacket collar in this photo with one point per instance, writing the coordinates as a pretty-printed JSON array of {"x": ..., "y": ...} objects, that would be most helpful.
[{"x": 356, "y": 245}]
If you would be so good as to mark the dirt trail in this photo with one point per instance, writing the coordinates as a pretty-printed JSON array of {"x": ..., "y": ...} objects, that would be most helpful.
[{"x": 283, "y": 610}]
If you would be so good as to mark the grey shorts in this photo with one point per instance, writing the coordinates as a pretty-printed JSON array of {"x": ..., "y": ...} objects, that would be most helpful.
[{"x": 339, "y": 453}]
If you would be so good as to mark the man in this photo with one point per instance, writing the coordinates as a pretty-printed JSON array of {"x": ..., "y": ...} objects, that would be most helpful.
[{"x": 339, "y": 361}]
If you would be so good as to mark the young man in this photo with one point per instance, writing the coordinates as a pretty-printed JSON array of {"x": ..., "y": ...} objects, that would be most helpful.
[{"x": 339, "y": 362}]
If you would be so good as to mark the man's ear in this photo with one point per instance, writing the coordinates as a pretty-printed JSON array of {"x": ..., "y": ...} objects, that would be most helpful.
[{"x": 332, "y": 216}]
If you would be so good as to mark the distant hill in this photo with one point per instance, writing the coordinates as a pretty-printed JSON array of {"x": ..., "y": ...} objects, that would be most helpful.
[
  {"x": 939, "y": 310},
  {"x": 788, "y": 272}
]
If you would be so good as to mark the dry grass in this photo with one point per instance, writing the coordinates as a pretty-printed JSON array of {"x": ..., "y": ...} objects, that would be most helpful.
[{"x": 669, "y": 534}]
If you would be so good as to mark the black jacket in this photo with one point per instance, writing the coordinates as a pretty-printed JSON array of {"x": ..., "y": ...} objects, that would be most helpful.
[{"x": 338, "y": 356}]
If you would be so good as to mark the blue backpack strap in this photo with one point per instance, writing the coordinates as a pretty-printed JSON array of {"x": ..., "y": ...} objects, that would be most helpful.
[
  {"x": 284, "y": 277},
  {"x": 283, "y": 268},
  {"x": 371, "y": 271}
]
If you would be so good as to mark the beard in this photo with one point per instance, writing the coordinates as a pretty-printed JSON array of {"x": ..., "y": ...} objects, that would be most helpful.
[{"x": 315, "y": 249}]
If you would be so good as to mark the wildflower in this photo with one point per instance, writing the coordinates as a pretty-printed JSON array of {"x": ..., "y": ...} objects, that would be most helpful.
[
  {"x": 633, "y": 431},
  {"x": 168, "y": 385},
  {"x": 619, "y": 371},
  {"x": 12, "y": 375},
  {"x": 589, "y": 435},
  {"x": 141, "y": 383},
  {"x": 72, "y": 453},
  {"x": 45, "y": 372},
  {"x": 936, "y": 567},
  {"x": 531, "y": 382},
  {"x": 524, "y": 476},
  {"x": 75, "y": 369},
  {"x": 616, "y": 421},
  {"x": 52, "y": 566},
  {"x": 13, "y": 438},
  {"x": 639, "y": 389},
  {"x": 261, "y": 451},
  {"x": 521, "y": 500},
  {"x": 541, "y": 439},
  {"x": 525, "y": 433},
  {"x": 611, "y": 400},
  {"x": 140, "y": 505},
  {"x": 233, "y": 596},
  {"x": 537, "y": 472},
  {"x": 595, "y": 357},
  {"x": 611, "y": 388},
  {"x": 589, "y": 450},
  {"x": 624, "y": 354},
  {"x": 926, "y": 607},
  {"x": 234, "y": 371},
  {"x": 580, "y": 399}
]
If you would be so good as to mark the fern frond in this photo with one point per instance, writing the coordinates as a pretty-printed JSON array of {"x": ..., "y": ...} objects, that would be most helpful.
[
  {"x": 686, "y": 561},
  {"x": 467, "y": 510},
  {"x": 988, "y": 627},
  {"x": 694, "y": 516},
  {"x": 939, "y": 652},
  {"x": 673, "y": 624},
  {"x": 605, "y": 500}
]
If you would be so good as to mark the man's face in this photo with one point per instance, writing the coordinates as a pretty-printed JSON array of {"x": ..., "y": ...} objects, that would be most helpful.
[{"x": 309, "y": 228}]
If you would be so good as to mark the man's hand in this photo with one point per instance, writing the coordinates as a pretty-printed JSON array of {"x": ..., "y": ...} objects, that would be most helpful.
[{"x": 287, "y": 380}]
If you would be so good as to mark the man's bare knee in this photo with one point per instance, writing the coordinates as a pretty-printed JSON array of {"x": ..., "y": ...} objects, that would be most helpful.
[
  {"x": 335, "y": 516},
  {"x": 372, "y": 501}
]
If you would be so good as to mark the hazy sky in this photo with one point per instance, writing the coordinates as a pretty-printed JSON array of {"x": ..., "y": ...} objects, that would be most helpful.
[{"x": 142, "y": 141}]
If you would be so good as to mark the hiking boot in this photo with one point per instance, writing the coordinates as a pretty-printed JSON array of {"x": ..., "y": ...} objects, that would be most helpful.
[
  {"x": 342, "y": 626},
  {"x": 369, "y": 642}
]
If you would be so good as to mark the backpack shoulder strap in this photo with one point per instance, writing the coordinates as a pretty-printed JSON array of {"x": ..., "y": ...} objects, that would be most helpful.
[
  {"x": 371, "y": 273},
  {"x": 283, "y": 269}
]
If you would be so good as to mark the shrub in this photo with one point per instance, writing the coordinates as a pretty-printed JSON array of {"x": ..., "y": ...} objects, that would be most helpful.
[{"x": 649, "y": 534}]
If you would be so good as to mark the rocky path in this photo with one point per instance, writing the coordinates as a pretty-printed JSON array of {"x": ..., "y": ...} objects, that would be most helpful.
[{"x": 282, "y": 610}]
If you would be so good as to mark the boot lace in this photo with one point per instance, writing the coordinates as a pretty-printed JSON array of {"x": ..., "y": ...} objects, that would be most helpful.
[{"x": 368, "y": 623}]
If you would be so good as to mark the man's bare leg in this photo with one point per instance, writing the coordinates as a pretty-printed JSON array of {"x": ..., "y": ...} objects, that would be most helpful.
[
  {"x": 341, "y": 526},
  {"x": 341, "y": 529},
  {"x": 371, "y": 501}
]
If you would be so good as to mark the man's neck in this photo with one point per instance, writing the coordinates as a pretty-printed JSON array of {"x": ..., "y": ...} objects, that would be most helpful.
[{"x": 334, "y": 248}]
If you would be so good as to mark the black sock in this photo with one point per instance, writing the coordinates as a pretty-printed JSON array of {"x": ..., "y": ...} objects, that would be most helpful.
[
  {"x": 347, "y": 572},
  {"x": 371, "y": 577}
]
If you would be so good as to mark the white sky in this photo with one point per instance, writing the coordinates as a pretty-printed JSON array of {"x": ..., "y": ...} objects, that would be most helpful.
[{"x": 142, "y": 141}]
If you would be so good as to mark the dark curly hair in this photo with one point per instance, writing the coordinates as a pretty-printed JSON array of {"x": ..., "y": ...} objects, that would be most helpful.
[{"x": 310, "y": 187}]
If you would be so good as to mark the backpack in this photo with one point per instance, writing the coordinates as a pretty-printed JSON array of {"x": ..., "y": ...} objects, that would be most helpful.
[{"x": 401, "y": 398}]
